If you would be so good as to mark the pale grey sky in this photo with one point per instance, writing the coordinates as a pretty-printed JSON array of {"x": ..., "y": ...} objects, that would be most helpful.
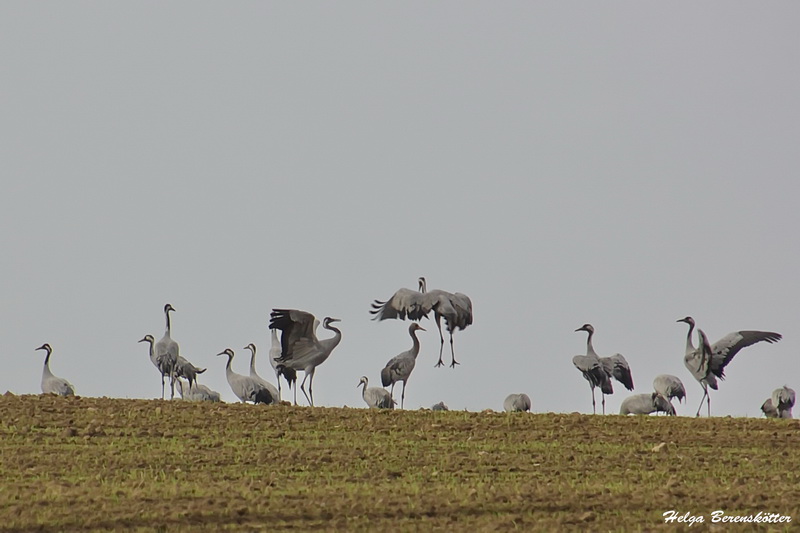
[{"x": 618, "y": 163}]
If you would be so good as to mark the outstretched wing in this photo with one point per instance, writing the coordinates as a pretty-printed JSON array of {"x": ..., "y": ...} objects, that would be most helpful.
[
  {"x": 404, "y": 303},
  {"x": 297, "y": 328},
  {"x": 723, "y": 351}
]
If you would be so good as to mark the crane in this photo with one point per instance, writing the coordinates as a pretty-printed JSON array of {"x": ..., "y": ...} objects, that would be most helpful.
[
  {"x": 613, "y": 366},
  {"x": 669, "y": 386},
  {"x": 253, "y": 374},
  {"x": 52, "y": 384},
  {"x": 160, "y": 363},
  {"x": 244, "y": 387},
  {"x": 400, "y": 366},
  {"x": 300, "y": 347},
  {"x": 375, "y": 397},
  {"x": 167, "y": 352},
  {"x": 783, "y": 401},
  {"x": 289, "y": 374},
  {"x": 707, "y": 362},
  {"x": 644, "y": 404},
  {"x": 196, "y": 392},
  {"x": 456, "y": 308},
  {"x": 517, "y": 402}
]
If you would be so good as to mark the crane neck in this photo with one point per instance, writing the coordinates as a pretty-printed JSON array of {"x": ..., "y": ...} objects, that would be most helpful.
[
  {"x": 589, "y": 346},
  {"x": 415, "y": 347},
  {"x": 47, "y": 363},
  {"x": 252, "y": 361},
  {"x": 337, "y": 335},
  {"x": 168, "y": 324},
  {"x": 689, "y": 345}
]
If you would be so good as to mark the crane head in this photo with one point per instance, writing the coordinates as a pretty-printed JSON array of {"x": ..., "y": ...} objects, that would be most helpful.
[
  {"x": 422, "y": 284},
  {"x": 586, "y": 327},
  {"x": 687, "y": 319},
  {"x": 251, "y": 347},
  {"x": 228, "y": 352},
  {"x": 147, "y": 338},
  {"x": 362, "y": 381},
  {"x": 168, "y": 308},
  {"x": 45, "y": 347},
  {"x": 415, "y": 326},
  {"x": 328, "y": 320}
]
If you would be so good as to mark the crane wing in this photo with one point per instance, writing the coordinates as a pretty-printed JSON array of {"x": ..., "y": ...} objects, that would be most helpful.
[
  {"x": 297, "y": 329},
  {"x": 618, "y": 367},
  {"x": 463, "y": 306},
  {"x": 403, "y": 303},
  {"x": 723, "y": 351}
]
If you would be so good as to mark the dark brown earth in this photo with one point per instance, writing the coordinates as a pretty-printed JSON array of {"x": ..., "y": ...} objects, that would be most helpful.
[{"x": 101, "y": 464}]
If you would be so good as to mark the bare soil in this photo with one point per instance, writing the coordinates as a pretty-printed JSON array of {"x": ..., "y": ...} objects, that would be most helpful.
[{"x": 99, "y": 463}]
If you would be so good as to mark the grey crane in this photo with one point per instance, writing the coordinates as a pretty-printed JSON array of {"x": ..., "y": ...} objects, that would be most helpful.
[
  {"x": 253, "y": 374},
  {"x": 167, "y": 352},
  {"x": 517, "y": 402},
  {"x": 162, "y": 363},
  {"x": 456, "y": 308},
  {"x": 300, "y": 347},
  {"x": 244, "y": 387},
  {"x": 289, "y": 374},
  {"x": 707, "y": 362},
  {"x": 769, "y": 409},
  {"x": 669, "y": 386},
  {"x": 185, "y": 369},
  {"x": 614, "y": 366},
  {"x": 400, "y": 366},
  {"x": 52, "y": 384},
  {"x": 375, "y": 397},
  {"x": 196, "y": 392},
  {"x": 439, "y": 407},
  {"x": 783, "y": 401},
  {"x": 644, "y": 404}
]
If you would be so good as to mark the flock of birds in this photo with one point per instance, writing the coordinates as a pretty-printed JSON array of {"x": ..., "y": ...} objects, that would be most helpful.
[{"x": 298, "y": 348}]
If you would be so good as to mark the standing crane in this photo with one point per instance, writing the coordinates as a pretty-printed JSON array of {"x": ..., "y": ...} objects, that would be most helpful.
[
  {"x": 52, "y": 384},
  {"x": 707, "y": 362},
  {"x": 375, "y": 397},
  {"x": 254, "y": 375},
  {"x": 456, "y": 308},
  {"x": 613, "y": 366},
  {"x": 244, "y": 387},
  {"x": 517, "y": 402},
  {"x": 300, "y": 348},
  {"x": 400, "y": 366},
  {"x": 167, "y": 352},
  {"x": 160, "y": 363},
  {"x": 289, "y": 374}
]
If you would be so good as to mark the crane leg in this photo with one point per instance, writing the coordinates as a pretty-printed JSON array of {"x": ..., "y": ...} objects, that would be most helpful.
[
  {"x": 594, "y": 405},
  {"x": 403, "y": 395},
  {"x": 441, "y": 339},
  {"x": 303, "y": 388},
  {"x": 708, "y": 400},
  {"x": 603, "y": 396},
  {"x": 162, "y": 386},
  {"x": 453, "y": 353},
  {"x": 705, "y": 395}
]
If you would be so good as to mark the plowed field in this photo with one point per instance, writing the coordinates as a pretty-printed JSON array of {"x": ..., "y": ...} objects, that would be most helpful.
[{"x": 100, "y": 464}]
